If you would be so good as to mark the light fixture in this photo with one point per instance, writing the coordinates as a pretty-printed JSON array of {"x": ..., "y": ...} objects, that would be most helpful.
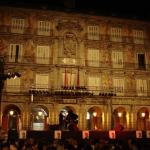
[
  {"x": 40, "y": 113},
  {"x": 143, "y": 114},
  {"x": 94, "y": 114},
  {"x": 11, "y": 112},
  {"x": 119, "y": 114}
]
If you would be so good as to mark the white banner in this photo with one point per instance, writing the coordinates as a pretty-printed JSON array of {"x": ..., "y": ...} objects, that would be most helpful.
[
  {"x": 22, "y": 134},
  {"x": 112, "y": 134},
  {"x": 138, "y": 134},
  {"x": 57, "y": 134},
  {"x": 85, "y": 134},
  {"x": 148, "y": 134}
]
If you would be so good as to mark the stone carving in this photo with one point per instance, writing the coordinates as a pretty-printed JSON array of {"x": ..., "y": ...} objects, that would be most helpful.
[
  {"x": 29, "y": 50},
  {"x": 27, "y": 78},
  {"x": 106, "y": 81},
  {"x": 69, "y": 25},
  {"x": 3, "y": 47},
  {"x": 70, "y": 45}
]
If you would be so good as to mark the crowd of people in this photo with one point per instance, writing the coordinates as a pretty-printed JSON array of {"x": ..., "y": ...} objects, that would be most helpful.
[
  {"x": 31, "y": 143},
  {"x": 73, "y": 142}
]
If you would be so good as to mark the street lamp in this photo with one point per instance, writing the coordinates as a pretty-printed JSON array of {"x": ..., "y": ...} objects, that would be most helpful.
[{"x": 11, "y": 112}]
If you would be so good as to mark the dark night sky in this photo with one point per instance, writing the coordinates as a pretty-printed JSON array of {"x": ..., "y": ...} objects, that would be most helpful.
[{"x": 132, "y": 9}]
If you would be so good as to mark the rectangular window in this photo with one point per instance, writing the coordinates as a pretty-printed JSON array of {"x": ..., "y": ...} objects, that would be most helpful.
[
  {"x": 93, "y": 32},
  {"x": 118, "y": 86},
  {"x": 93, "y": 57},
  {"x": 141, "y": 86},
  {"x": 141, "y": 61},
  {"x": 42, "y": 81},
  {"x": 15, "y": 53},
  {"x": 44, "y": 28},
  {"x": 138, "y": 36},
  {"x": 43, "y": 55},
  {"x": 116, "y": 34},
  {"x": 94, "y": 83},
  {"x": 17, "y": 25},
  {"x": 13, "y": 85},
  {"x": 69, "y": 79},
  {"x": 117, "y": 59}
]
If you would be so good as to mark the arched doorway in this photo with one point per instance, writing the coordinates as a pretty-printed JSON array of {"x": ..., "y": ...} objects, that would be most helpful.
[
  {"x": 119, "y": 119},
  {"x": 143, "y": 119},
  {"x": 68, "y": 119},
  {"x": 94, "y": 118},
  {"x": 38, "y": 118},
  {"x": 11, "y": 119}
]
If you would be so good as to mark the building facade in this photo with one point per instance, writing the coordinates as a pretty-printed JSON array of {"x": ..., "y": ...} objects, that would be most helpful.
[{"x": 96, "y": 66}]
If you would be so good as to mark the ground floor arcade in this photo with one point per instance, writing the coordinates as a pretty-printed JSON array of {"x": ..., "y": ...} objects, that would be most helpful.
[{"x": 41, "y": 116}]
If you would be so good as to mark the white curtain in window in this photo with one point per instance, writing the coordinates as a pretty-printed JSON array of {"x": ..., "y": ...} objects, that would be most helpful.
[
  {"x": 42, "y": 81},
  {"x": 44, "y": 28},
  {"x": 94, "y": 83},
  {"x": 118, "y": 86},
  {"x": 15, "y": 53},
  {"x": 13, "y": 85},
  {"x": 17, "y": 25},
  {"x": 141, "y": 86},
  {"x": 117, "y": 59},
  {"x": 116, "y": 34},
  {"x": 93, "y": 57},
  {"x": 138, "y": 36},
  {"x": 93, "y": 32},
  {"x": 43, "y": 53}
]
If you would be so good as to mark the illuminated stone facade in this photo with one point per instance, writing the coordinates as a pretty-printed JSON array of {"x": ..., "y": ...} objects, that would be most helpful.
[{"x": 57, "y": 52}]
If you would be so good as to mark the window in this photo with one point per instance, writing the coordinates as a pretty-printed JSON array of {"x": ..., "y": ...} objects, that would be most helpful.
[
  {"x": 138, "y": 36},
  {"x": 93, "y": 32},
  {"x": 15, "y": 53},
  {"x": 44, "y": 28},
  {"x": 118, "y": 86},
  {"x": 93, "y": 57},
  {"x": 69, "y": 79},
  {"x": 42, "y": 55},
  {"x": 17, "y": 25},
  {"x": 117, "y": 59},
  {"x": 42, "y": 81},
  {"x": 94, "y": 83},
  {"x": 116, "y": 34},
  {"x": 13, "y": 85},
  {"x": 141, "y": 61},
  {"x": 141, "y": 86}
]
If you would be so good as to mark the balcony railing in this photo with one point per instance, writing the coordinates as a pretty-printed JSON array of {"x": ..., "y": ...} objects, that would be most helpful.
[
  {"x": 73, "y": 62},
  {"x": 76, "y": 91}
]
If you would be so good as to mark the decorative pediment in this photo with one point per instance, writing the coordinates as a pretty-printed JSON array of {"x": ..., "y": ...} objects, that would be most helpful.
[{"x": 70, "y": 25}]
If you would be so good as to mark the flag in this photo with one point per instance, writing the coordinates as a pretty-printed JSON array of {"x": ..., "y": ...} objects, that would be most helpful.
[{"x": 65, "y": 79}]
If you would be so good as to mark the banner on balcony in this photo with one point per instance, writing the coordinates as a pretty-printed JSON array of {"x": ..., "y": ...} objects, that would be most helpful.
[
  {"x": 112, "y": 134},
  {"x": 138, "y": 134},
  {"x": 85, "y": 134},
  {"x": 22, "y": 134},
  {"x": 148, "y": 134},
  {"x": 57, "y": 134}
]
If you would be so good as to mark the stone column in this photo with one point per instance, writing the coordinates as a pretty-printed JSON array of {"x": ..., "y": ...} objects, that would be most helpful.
[
  {"x": 134, "y": 118},
  {"x": 131, "y": 117},
  {"x": 104, "y": 118},
  {"x": 109, "y": 114},
  {"x": 82, "y": 117}
]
